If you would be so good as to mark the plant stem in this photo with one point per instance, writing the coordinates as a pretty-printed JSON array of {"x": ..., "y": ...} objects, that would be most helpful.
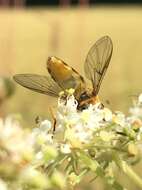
[{"x": 130, "y": 173}]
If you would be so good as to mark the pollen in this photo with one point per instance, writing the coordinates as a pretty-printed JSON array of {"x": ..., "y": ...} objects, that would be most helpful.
[
  {"x": 70, "y": 91},
  {"x": 85, "y": 116}
]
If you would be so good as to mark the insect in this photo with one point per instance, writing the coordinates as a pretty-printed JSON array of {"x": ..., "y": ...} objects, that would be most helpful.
[{"x": 63, "y": 77}]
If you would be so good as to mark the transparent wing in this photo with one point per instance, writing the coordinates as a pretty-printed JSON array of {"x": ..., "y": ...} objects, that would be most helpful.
[
  {"x": 97, "y": 61},
  {"x": 42, "y": 84}
]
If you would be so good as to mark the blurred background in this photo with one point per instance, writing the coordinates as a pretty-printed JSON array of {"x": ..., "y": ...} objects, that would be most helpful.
[{"x": 32, "y": 30}]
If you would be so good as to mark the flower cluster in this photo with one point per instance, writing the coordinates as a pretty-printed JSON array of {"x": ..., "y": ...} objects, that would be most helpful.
[
  {"x": 19, "y": 148},
  {"x": 15, "y": 155},
  {"x": 58, "y": 154},
  {"x": 89, "y": 140}
]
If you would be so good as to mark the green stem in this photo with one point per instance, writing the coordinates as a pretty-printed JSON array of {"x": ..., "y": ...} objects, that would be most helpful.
[{"x": 130, "y": 173}]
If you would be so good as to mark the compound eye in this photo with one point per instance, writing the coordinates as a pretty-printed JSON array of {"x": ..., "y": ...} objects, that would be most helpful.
[{"x": 84, "y": 96}]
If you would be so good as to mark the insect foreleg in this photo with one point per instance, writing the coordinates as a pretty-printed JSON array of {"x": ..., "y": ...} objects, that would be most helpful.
[{"x": 53, "y": 118}]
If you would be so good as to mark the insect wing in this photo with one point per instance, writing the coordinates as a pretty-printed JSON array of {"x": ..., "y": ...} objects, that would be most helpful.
[
  {"x": 42, "y": 84},
  {"x": 97, "y": 62}
]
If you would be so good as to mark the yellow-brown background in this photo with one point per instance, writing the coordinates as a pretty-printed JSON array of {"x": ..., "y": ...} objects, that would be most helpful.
[{"x": 28, "y": 37}]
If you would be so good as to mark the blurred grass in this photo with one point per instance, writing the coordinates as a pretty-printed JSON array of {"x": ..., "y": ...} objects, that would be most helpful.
[{"x": 28, "y": 37}]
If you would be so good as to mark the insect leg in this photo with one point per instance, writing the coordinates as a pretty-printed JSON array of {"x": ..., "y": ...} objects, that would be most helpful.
[{"x": 54, "y": 119}]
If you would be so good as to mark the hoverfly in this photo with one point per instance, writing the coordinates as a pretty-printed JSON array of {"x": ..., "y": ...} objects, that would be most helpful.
[{"x": 63, "y": 77}]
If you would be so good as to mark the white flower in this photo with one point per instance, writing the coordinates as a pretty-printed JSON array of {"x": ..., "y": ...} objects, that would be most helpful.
[
  {"x": 3, "y": 185},
  {"x": 140, "y": 98},
  {"x": 65, "y": 148},
  {"x": 83, "y": 123},
  {"x": 43, "y": 134},
  {"x": 67, "y": 105},
  {"x": 107, "y": 114},
  {"x": 83, "y": 136},
  {"x": 39, "y": 155},
  {"x": 119, "y": 118},
  {"x": 137, "y": 111},
  {"x": 9, "y": 127},
  {"x": 44, "y": 138},
  {"x": 45, "y": 125},
  {"x": 14, "y": 139}
]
